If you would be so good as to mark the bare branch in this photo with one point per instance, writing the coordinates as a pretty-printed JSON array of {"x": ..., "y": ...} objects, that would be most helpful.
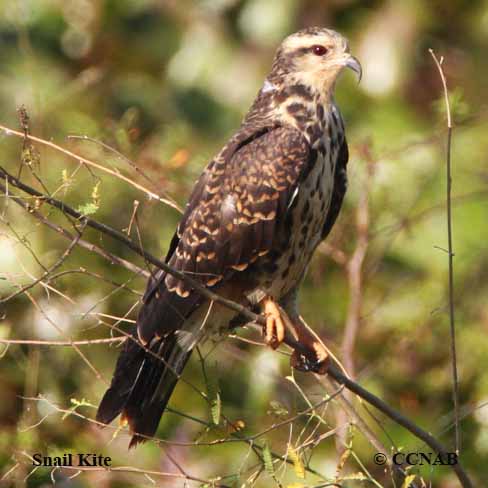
[
  {"x": 88, "y": 162},
  {"x": 355, "y": 271},
  {"x": 121, "y": 156},
  {"x": 455, "y": 379},
  {"x": 46, "y": 273},
  {"x": 88, "y": 342},
  {"x": 82, "y": 243}
]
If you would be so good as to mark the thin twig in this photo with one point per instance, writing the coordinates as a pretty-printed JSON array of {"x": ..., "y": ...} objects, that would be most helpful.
[
  {"x": 88, "y": 342},
  {"x": 46, "y": 273},
  {"x": 85, "y": 272},
  {"x": 134, "y": 210},
  {"x": 130, "y": 469},
  {"x": 63, "y": 333},
  {"x": 88, "y": 162},
  {"x": 81, "y": 242},
  {"x": 121, "y": 156},
  {"x": 455, "y": 379},
  {"x": 355, "y": 270}
]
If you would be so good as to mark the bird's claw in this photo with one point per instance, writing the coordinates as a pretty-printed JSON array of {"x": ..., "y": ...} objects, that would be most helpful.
[
  {"x": 305, "y": 364},
  {"x": 315, "y": 359},
  {"x": 274, "y": 330}
]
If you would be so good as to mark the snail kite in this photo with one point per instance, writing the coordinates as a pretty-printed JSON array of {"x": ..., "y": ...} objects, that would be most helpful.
[{"x": 251, "y": 225}]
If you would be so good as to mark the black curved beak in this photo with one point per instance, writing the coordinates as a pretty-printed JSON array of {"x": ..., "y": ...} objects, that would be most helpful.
[{"x": 355, "y": 65}]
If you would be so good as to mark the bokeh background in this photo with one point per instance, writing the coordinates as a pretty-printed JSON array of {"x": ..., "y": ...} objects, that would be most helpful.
[{"x": 165, "y": 83}]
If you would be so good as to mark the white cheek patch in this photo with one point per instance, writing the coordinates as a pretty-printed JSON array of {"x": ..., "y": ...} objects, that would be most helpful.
[{"x": 267, "y": 87}]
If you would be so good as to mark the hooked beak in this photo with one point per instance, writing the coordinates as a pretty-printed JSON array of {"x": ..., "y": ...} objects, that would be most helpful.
[{"x": 355, "y": 65}]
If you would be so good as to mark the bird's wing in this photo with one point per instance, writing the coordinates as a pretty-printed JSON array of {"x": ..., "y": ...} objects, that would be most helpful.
[{"x": 230, "y": 220}]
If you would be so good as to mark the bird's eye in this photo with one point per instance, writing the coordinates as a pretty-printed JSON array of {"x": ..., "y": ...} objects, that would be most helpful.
[{"x": 319, "y": 50}]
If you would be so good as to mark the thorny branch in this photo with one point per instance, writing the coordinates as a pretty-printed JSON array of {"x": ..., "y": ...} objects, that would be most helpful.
[{"x": 334, "y": 370}]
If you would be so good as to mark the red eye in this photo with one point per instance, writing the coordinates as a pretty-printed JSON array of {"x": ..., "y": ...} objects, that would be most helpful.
[{"x": 319, "y": 50}]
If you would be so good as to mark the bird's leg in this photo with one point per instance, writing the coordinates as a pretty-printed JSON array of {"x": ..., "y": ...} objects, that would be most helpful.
[
  {"x": 315, "y": 359},
  {"x": 274, "y": 330}
]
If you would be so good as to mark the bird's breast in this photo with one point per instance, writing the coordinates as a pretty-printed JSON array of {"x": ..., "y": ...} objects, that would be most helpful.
[{"x": 301, "y": 230}]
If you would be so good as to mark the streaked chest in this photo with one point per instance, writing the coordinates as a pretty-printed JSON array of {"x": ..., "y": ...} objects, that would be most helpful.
[
  {"x": 301, "y": 231},
  {"x": 304, "y": 224}
]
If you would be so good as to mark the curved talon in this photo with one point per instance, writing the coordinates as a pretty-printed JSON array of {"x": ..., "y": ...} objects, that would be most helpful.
[
  {"x": 274, "y": 330},
  {"x": 303, "y": 363},
  {"x": 317, "y": 360}
]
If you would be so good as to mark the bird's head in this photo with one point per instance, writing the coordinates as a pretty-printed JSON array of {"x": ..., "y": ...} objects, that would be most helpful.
[{"x": 314, "y": 57}]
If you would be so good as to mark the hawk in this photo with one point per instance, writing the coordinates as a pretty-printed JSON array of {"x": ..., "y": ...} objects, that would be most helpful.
[{"x": 250, "y": 227}]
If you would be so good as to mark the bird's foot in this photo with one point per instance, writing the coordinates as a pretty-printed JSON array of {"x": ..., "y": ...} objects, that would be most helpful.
[
  {"x": 274, "y": 330},
  {"x": 314, "y": 356},
  {"x": 307, "y": 364}
]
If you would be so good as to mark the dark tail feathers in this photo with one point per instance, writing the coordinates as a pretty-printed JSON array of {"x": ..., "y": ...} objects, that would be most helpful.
[{"x": 142, "y": 385}]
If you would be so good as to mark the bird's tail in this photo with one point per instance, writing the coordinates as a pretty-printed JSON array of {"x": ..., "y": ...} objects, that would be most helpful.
[{"x": 142, "y": 384}]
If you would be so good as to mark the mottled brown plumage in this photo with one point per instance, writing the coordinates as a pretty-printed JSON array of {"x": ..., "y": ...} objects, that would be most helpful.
[{"x": 251, "y": 225}]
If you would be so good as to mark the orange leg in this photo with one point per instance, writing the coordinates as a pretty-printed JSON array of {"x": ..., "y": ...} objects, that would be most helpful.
[
  {"x": 274, "y": 330},
  {"x": 278, "y": 321}
]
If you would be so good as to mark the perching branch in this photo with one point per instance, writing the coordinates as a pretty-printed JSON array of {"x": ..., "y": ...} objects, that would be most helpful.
[{"x": 333, "y": 369}]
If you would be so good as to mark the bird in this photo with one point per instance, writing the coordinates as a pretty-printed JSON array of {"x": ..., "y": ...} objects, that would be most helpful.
[{"x": 251, "y": 225}]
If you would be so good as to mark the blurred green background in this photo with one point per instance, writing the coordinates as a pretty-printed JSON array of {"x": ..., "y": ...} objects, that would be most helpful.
[{"x": 165, "y": 83}]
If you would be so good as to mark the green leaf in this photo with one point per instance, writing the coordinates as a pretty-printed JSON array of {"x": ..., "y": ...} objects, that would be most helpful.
[
  {"x": 408, "y": 480},
  {"x": 213, "y": 392},
  {"x": 96, "y": 194},
  {"x": 87, "y": 209},
  {"x": 268, "y": 460},
  {"x": 216, "y": 407},
  {"x": 93, "y": 206},
  {"x": 277, "y": 409},
  {"x": 294, "y": 455},
  {"x": 77, "y": 404}
]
